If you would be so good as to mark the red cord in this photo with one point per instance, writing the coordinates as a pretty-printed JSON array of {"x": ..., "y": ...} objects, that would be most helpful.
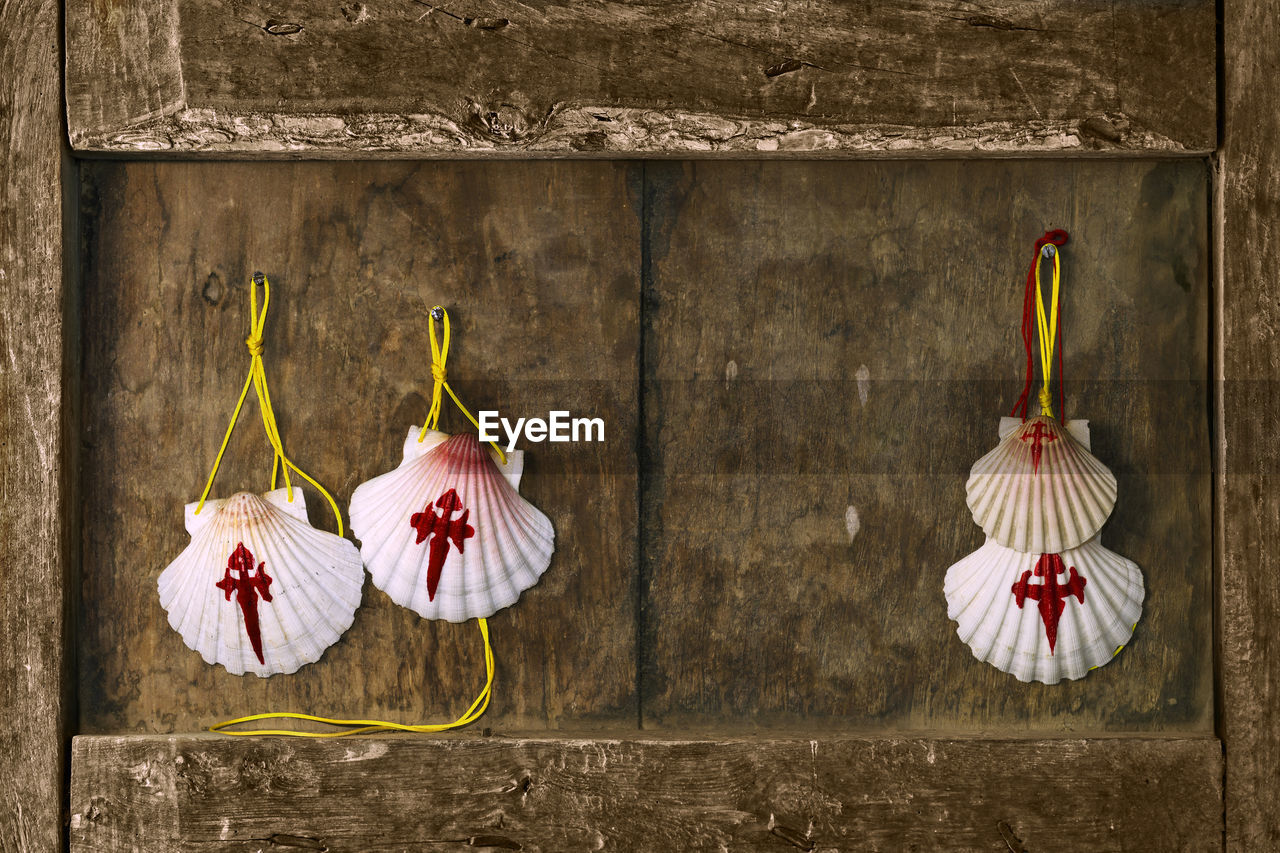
[{"x": 1057, "y": 237}]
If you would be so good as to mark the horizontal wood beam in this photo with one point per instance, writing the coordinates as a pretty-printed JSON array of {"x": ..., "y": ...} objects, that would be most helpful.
[
  {"x": 494, "y": 77},
  {"x": 207, "y": 793}
]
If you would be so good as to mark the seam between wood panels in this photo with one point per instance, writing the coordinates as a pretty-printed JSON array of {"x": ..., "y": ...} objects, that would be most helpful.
[
  {"x": 1217, "y": 452},
  {"x": 71, "y": 431},
  {"x": 1217, "y": 377},
  {"x": 71, "y": 427},
  {"x": 642, "y": 452}
]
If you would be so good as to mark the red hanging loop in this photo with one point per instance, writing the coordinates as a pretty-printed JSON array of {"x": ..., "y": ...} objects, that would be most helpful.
[{"x": 1056, "y": 237}]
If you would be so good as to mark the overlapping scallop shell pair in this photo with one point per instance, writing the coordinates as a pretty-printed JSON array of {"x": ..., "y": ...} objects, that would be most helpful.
[
  {"x": 445, "y": 534},
  {"x": 1042, "y": 599}
]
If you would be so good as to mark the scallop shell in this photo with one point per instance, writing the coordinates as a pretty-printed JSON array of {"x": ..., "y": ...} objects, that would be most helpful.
[
  {"x": 1005, "y": 617},
  {"x": 446, "y": 534},
  {"x": 248, "y": 547},
  {"x": 1040, "y": 490}
]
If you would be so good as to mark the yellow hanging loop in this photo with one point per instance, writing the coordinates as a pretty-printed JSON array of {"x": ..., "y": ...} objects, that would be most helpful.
[
  {"x": 1047, "y": 324},
  {"x": 257, "y": 379},
  {"x": 440, "y": 381}
]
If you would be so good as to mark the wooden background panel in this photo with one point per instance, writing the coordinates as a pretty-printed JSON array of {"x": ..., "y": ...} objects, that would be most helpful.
[
  {"x": 824, "y": 340},
  {"x": 825, "y": 794},
  {"x": 494, "y": 75},
  {"x": 538, "y": 264}
]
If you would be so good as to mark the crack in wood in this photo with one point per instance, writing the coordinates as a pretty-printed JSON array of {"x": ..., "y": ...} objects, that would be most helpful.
[
  {"x": 500, "y": 842},
  {"x": 1100, "y": 128},
  {"x": 784, "y": 67},
  {"x": 274, "y": 27},
  {"x": 994, "y": 23},
  {"x": 302, "y": 842},
  {"x": 282, "y": 28},
  {"x": 1012, "y": 841},
  {"x": 793, "y": 837}
]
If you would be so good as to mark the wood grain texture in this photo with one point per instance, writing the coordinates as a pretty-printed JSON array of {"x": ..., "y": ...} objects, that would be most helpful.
[
  {"x": 34, "y": 473},
  {"x": 539, "y": 267},
  {"x": 1248, "y": 504},
  {"x": 825, "y": 794},
  {"x": 833, "y": 338},
  {"x": 124, "y": 64},
  {"x": 561, "y": 78}
]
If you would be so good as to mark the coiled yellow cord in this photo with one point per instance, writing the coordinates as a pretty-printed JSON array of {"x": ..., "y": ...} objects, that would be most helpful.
[{"x": 360, "y": 727}]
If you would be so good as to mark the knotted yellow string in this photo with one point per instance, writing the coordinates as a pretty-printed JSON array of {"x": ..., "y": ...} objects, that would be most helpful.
[
  {"x": 257, "y": 378},
  {"x": 440, "y": 381},
  {"x": 1048, "y": 327}
]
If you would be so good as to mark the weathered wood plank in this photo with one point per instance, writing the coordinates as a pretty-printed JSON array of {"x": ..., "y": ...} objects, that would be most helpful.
[
  {"x": 827, "y": 341},
  {"x": 538, "y": 264},
  {"x": 1248, "y": 503},
  {"x": 822, "y": 794},
  {"x": 123, "y": 62},
  {"x": 34, "y": 473},
  {"x": 562, "y": 78}
]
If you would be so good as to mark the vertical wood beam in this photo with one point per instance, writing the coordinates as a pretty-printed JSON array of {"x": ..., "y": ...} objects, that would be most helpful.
[
  {"x": 1248, "y": 503},
  {"x": 34, "y": 531}
]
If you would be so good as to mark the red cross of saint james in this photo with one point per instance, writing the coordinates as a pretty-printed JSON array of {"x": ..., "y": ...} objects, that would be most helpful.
[
  {"x": 443, "y": 530},
  {"x": 1051, "y": 597},
  {"x": 1038, "y": 436},
  {"x": 247, "y": 586}
]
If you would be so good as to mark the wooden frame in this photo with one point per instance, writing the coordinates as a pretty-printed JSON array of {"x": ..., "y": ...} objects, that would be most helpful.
[
  {"x": 176, "y": 793},
  {"x": 36, "y": 467},
  {"x": 561, "y": 78},
  {"x": 137, "y": 81}
]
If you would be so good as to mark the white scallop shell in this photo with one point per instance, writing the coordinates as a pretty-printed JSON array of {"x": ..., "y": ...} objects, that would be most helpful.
[
  {"x": 1013, "y": 637},
  {"x": 1044, "y": 505},
  {"x": 501, "y": 544},
  {"x": 315, "y": 581}
]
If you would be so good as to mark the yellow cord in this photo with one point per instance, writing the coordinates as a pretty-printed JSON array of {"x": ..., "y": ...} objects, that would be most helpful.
[
  {"x": 1048, "y": 327},
  {"x": 440, "y": 381},
  {"x": 258, "y": 379},
  {"x": 472, "y": 714}
]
